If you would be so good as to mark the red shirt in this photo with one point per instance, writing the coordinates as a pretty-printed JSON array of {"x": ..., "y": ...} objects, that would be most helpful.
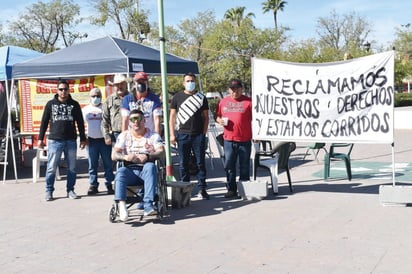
[{"x": 239, "y": 112}]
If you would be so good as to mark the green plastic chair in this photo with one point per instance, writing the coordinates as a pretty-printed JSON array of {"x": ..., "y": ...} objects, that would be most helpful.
[
  {"x": 315, "y": 147},
  {"x": 333, "y": 154}
]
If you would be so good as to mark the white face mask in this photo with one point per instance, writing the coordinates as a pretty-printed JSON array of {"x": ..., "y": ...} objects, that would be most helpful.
[
  {"x": 190, "y": 86},
  {"x": 95, "y": 100}
]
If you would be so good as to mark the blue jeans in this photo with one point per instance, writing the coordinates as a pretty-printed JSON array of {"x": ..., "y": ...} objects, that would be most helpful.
[
  {"x": 196, "y": 143},
  {"x": 55, "y": 150},
  {"x": 135, "y": 176},
  {"x": 98, "y": 148},
  {"x": 233, "y": 152}
]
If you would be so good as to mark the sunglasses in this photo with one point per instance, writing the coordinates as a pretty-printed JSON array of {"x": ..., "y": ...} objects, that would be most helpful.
[
  {"x": 63, "y": 89},
  {"x": 94, "y": 96},
  {"x": 137, "y": 118}
]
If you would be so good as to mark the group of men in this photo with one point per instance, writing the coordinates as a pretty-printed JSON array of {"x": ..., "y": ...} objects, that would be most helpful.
[{"x": 127, "y": 127}]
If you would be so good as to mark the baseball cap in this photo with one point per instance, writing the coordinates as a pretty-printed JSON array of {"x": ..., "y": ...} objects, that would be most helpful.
[
  {"x": 235, "y": 83},
  {"x": 141, "y": 75}
]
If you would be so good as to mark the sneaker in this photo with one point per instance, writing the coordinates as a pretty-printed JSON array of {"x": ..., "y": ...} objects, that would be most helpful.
[
  {"x": 124, "y": 214},
  {"x": 231, "y": 194},
  {"x": 72, "y": 195},
  {"x": 150, "y": 211},
  {"x": 203, "y": 194},
  {"x": 92, "y": 190},
  {"x": 110, "y": 190},
  {"x": 49, "y": 196},
  {"x": 140, "y": 206}
]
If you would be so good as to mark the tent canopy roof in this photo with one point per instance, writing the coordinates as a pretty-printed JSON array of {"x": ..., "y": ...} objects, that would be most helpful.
[
  {"x": 107, "y": 55},
  {"x": 10, "y": 55}
]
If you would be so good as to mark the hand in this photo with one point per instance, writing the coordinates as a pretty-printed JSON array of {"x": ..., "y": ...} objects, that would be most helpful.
[
  {"x": 108, "y": 141},
  {"x": 136, "y": 158},
  {"x": 40, "y": 144},
  {"x": 219, "y": 120},
  {"x": 142, "y": 158},
  {"x": 173, "y": 139},
  {"x": 128, "y": 158},
  {"x": 82, "y": 144}
]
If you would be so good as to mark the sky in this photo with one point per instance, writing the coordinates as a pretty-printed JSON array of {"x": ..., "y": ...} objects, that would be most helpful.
[{"x": 299, "y": 15}]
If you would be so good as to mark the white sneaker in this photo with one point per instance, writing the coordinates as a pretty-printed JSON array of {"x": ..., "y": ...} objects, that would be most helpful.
[
  {"x": 124, "y": 214},
  {"x": 72, "y": 195}
]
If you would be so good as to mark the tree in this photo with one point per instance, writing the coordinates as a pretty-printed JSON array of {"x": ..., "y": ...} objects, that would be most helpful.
[
  {"x": 274, "y": 6},
  {"x": 230, "y": 51},
  {"x": 304, "y": 51},
  {"x": 187, "y": 40},
  {"x": 403, "y": 40},
  {"x": 343, "y": 33},
  {"x": 126, "y": 14},
  {"x": 173, "y": 45},
  {"x": 2, "y": 36},
  {"x": 403, "y": 62},
  {"x": 236, "y": 15},
  {"x": 43, "y": 25},
  {"x": 175, "y": 41},
  {"x": 193, "y": 32}
]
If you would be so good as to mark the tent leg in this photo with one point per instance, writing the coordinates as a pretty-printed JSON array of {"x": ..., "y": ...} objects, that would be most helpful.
[{"x": 9, "y": 133}]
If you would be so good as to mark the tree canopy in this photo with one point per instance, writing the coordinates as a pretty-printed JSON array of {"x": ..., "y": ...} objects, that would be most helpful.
[
  {"x": 223, "y": 47},
  {"x": 237, "y": 15},
  {"x": 343, "y": 33},
  {"x": 43, "y": 25},
  {"x": 274, "y": 6},
  {"x": 131, "y": 21},
  {"x": 403, "y": 63}
]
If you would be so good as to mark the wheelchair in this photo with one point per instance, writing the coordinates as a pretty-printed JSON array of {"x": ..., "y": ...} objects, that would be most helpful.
[{"x": 134, "y": 195}]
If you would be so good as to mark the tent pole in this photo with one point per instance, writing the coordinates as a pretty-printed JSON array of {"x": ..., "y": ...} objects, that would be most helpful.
[
  {"x": 9, "y": 133},
  {"x": 393, "y": 142},
  {"x": 165, "y": 95},
  {"x": 393, "y": 164}
]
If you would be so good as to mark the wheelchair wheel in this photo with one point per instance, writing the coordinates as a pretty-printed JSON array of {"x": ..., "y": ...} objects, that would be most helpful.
[
  {"x": 162, "y": 192},
  {"x": 113, "y": 213},
  {"x": 160, "y": 205}
]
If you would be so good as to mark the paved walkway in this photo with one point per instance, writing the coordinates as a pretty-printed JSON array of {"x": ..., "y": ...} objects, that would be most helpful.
[{"x": 337, "y": 226}]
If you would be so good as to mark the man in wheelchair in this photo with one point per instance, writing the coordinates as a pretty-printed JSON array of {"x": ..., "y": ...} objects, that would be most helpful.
[{"x": 138, "y": 148}]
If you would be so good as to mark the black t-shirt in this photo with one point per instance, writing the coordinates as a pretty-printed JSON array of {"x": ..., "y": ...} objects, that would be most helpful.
[{"x": 196, "y": 122}]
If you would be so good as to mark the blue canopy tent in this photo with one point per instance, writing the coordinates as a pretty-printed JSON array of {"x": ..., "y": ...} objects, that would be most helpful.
[
  {"x": 102, "y": 56},
  {"x": 10, "y": 55}
]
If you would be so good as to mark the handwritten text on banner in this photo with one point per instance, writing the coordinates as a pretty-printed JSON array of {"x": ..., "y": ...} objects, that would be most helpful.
[{"x": 348, "y": 101}]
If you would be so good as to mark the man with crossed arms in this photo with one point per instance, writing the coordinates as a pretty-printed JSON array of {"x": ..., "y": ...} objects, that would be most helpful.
[{"x": 188, "y": 124}]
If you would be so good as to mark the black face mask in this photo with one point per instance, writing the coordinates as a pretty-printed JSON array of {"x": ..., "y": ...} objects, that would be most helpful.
[{"x": 141, "y": 87}]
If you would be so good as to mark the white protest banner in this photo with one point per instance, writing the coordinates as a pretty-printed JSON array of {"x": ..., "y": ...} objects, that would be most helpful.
[{"x": 348, "y": 101}]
